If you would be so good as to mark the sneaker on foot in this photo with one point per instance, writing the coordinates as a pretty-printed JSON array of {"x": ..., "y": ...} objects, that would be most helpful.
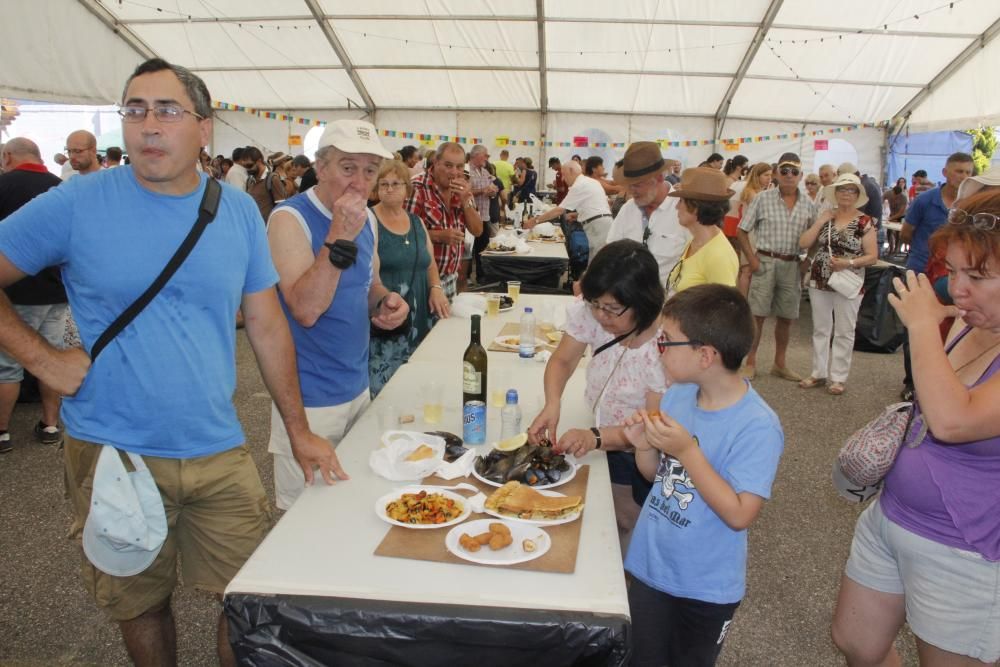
[
  {"x": 5, "y": 445},
  {"x": 48, "y": 435}
]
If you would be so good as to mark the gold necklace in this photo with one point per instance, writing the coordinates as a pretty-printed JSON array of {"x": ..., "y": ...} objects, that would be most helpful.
[{"x": 976, "y": 358}]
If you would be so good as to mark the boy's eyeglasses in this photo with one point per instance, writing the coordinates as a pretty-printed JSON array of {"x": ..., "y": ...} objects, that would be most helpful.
[
  {"x": 984, "y": 221},
  {"x": 785, "y": 171},
  {"x": 662, "y": 343},
  {"x": 611, "y": 312}
]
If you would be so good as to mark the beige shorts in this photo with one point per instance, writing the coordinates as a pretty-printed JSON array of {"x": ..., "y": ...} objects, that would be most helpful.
[
  {"x": 331, "y": 423},
  {"x": 776, "y": 289},
  {"x": 217, "y": 514}
]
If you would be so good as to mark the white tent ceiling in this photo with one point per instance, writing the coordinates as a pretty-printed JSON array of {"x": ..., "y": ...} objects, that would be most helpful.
[{"x": 852, "y": 61}]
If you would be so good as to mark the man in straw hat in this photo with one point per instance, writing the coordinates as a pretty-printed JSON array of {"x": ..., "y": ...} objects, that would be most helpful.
[
  {"x": 649, "y": 216},
  {"x": 324, "y": 246},
  {"x": 778, "y": 216}
]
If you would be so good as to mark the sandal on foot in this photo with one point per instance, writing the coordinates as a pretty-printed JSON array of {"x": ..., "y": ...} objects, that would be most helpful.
[
  {"x": 811, "y": 382},
  {"x": 836, "y": 388}
]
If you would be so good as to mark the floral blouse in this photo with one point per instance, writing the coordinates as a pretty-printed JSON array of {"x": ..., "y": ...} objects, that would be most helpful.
[
  {"x": 845, "y": 242},
  {"x": 618, "y": 376}
]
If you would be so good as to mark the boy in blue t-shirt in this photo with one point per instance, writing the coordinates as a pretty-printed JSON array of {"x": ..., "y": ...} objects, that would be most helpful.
[{"x": 712, "y": 454}]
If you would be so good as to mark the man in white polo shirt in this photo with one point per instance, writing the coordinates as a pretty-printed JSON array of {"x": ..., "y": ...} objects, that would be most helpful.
[
  {"x": 587, "y": 198},
  {"x": 649, "y": 216}
]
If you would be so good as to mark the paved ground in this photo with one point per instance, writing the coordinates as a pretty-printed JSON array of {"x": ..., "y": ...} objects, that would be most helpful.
[{"x": 797, "y": 547}]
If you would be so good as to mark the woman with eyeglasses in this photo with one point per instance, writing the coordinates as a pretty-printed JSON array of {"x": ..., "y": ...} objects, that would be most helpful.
[
  {"x": 709, "y": 256},
  {"x": 926, "y": 551},
  {"x": 618, "y": 320},
  {"x": 845, "y": 240},
  {"x": 813, "y": 187},
  {"x": 407, "y": 265}
]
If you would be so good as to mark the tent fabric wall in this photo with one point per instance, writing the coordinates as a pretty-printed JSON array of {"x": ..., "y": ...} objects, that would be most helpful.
[
  {"x": 909, "y": 152},
  {"x": 59, "y": 52}
]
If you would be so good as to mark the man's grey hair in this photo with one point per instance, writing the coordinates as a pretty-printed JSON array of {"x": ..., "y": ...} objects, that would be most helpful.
[
  {"x": 23, "y": 147},
  {"x": 448, "y": 146},
  {"x": 193, "y": 85},
  {"x": 477, "y": 149}
]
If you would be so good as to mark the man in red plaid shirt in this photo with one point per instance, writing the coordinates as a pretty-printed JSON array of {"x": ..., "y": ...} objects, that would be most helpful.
[{"x": 443, "y": 199}]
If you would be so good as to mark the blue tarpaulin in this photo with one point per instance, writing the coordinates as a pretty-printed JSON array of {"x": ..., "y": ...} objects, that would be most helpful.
[{"x": 924, "y": 150}]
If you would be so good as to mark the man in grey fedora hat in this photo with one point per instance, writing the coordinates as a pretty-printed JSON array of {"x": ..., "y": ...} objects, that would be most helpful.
[{"x": 649, "y": 216}]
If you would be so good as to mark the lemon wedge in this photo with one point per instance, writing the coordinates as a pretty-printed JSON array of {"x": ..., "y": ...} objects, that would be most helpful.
[{"x": 510, "y": 444}]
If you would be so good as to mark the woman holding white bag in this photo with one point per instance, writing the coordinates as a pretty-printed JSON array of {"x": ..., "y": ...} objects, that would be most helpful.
[{"x": 845, "y": 243}]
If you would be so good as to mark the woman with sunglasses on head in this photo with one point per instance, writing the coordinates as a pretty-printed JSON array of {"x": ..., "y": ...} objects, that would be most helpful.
[
  {"x": 845, "y": 240},
  {"x": 927, "y": 550},
  {"x": 709, "y": 257},
  {"x": 407, "y": 266},
  {"x": 618, "y": 320}
]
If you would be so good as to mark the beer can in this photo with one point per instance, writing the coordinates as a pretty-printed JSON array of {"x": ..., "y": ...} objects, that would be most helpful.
[{"x": 474, "y": 422}]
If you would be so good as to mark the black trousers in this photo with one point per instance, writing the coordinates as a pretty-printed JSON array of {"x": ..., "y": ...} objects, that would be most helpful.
[{"x": 673, "y": 631}]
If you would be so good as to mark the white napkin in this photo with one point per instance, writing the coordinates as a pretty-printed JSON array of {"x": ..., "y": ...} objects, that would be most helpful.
[
  {"x": 460, "y": 467},
  {"x": 542, "y": 356},
  {"x": 467, "y": 304},
  {"x": 522, "y": 247},
  {"x": 477, "y": 502},
  {"x": 389, "y": 461}
]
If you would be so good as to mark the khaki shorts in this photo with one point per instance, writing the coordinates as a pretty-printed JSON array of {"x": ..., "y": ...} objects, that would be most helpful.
[
  {"x": 217, "y": 514},
  {"x": 776, "y": 289}
]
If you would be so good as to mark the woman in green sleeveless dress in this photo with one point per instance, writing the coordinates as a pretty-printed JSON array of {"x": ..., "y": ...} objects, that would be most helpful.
[{"x": 407, "y": 264}]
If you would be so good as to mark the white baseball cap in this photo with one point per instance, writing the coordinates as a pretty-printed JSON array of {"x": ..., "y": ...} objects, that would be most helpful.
[
  {"x": 851, "y": 491},
  {"x": 353, "y": 136},
  {"x": 126, "y": 525}
]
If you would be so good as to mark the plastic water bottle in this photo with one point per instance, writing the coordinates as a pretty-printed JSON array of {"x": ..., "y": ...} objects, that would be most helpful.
[
  {"x": 510, "y": 416},
  {"x": 526, "y": 345}
]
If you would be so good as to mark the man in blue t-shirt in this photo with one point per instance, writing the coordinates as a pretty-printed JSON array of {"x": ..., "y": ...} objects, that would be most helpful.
[
  {"x": 163, "y": 388},
  {"x": 324, "y": 242},
  {"x": 926, "y": 213},
  {"x": 712, "y": 454}
]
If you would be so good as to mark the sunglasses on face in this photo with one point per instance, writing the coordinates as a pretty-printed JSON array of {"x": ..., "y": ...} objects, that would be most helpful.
[
  {"x": 662, "y": 343},
  {"x": 785, "y": 171},
  {"x": 847, "y": 190},
  {"x": 984, "y": 221}
]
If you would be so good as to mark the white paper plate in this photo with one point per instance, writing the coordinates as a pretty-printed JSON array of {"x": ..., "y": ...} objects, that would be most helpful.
[
  {"x": 569, "y": 518},
  {"x": 566, "y": 476},
  {"x": 515, "y": 553},
  {"x": 509, "y": 342},
  {"x": 381, "y": 503},
  {"x": 499, "y": 252}
]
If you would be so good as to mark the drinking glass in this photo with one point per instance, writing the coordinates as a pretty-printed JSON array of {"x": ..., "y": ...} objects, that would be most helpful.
[
  {"x": 493, "y": 304},
  {"x": 433, "y": 408},
  {"x": 514, "y": 289}
]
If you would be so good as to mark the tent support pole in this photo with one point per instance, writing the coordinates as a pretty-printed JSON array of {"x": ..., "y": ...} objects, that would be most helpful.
[
  {"x": 741, "y": 71},
  {"x": 345, "y": 60},
  {"x": 949, "y": 70},
  {"x": 543, "y": 80}
]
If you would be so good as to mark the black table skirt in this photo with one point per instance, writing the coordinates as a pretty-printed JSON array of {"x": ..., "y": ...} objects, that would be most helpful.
[
  {"x": 540, "y": 271},
  {"x": 314, "y": 630}
]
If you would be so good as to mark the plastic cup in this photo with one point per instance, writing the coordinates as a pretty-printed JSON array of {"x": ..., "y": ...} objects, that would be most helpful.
[
  {"x": 493, "y": 305},
  {"x": 514, "y": 289},
  {"x": 433, "y": 408},
  {"x": 388, "y": 418}
]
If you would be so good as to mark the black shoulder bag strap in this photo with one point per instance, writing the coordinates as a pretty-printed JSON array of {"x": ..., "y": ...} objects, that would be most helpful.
[{"x": 207, "y": 209}]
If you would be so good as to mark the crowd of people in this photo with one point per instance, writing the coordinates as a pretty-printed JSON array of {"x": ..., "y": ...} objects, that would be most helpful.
[{"x": 368, "y": 249}]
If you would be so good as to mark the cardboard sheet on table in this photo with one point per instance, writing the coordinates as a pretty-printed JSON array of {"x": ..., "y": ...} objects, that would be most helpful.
[
  {"x": 514, "y": 329},
  {"x": 429, "y": 544}
]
